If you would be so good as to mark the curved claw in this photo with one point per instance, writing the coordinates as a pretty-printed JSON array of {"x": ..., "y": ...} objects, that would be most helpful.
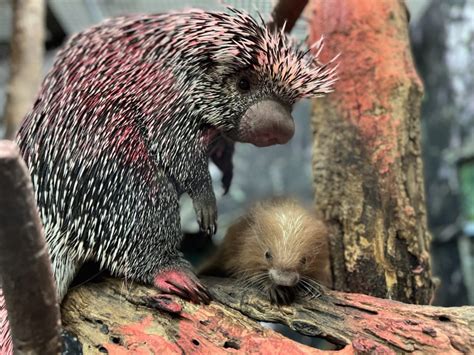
[
  {"x": 165, "y": 303},
  {"x": 184, "y": 284},
  {"x": 207, "y": 217}
]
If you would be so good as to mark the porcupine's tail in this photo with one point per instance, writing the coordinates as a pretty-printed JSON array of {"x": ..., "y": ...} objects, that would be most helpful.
[{"x": 6, "y": 345}]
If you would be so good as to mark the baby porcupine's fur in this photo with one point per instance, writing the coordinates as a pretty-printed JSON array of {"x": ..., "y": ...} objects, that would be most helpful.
[
  {"x": 123, "y": 122},
  {"x": 278, "y": 246}
]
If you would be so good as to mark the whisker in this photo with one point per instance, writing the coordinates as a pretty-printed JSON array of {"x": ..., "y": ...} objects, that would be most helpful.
[
  {"x": 252, "y": 280},
  {"x": 311, "y": 286}
]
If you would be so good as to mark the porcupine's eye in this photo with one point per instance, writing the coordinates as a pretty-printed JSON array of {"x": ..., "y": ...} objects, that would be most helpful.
[
  {"x": 243, "y": 84},
  {"x": 268, "y": 255},
  {"x": 303, "y": 260}
]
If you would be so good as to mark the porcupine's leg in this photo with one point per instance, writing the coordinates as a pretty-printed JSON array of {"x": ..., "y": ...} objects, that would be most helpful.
[
  {"x": 199, "y": 188},
  {"x": 158, "y": 259},
  {"x": 64, "y": 270},
  {"x": 174, "y": 275}
]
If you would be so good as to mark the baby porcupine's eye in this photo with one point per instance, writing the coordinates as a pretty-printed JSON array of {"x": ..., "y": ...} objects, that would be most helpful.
[
  {"x": 243, "y": 84},
  {"x": 268, "y": 255},
  {"x": 303, "y": 260}
]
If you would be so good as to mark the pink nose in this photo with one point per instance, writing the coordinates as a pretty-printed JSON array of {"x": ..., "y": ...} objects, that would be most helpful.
[
  {"x": 270, "y": 123},
  {"x": 284, "y": 278}
]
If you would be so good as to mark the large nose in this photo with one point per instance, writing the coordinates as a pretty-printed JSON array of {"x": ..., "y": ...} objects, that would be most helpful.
[
  {"x": 284, "y": 277},
  {"x": 270, "y": 123}
]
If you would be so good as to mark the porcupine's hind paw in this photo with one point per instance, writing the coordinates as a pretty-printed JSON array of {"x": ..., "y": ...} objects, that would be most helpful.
[{"x": 183, "y": 283}]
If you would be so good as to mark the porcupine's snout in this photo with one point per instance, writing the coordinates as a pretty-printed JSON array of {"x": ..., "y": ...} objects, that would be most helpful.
[
  {"x": 266, "y": 123},
  {"x": 284, "y": 277}
]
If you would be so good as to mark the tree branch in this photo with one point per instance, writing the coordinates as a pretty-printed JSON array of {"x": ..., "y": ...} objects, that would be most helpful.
[
  {"x": 118, "y": 317},
  {"x": 286, "y": 10},
  {"x": 25, "y": 268}
]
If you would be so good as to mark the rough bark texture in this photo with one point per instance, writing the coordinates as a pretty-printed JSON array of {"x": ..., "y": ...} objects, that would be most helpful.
[
  {"x": 25, "y": 269},
  {"x": 366, "y": 163},
  {"x": 26, "y": 63},
  {"x": 115, "y": 317}
]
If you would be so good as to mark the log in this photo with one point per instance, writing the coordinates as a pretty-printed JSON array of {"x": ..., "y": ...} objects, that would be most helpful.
[
  {"x": 367, "y": 167},
  {"x": 26, "y": 61},
  {"x": 25, "y": 269},
  {"x": 119, "y": 318}
]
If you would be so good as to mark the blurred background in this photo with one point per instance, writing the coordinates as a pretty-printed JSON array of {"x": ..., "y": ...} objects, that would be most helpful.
[{"x": 442, "y": 33}]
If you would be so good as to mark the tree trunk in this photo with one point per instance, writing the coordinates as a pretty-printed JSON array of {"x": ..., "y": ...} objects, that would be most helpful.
[
  {"x": 120, "y": 318},
  {"x": 367, "y": 166},
  {"x": 26, "y": 63}
]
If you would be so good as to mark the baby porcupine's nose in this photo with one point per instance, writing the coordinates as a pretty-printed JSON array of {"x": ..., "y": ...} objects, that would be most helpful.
[{"x": 284, "y": 277}]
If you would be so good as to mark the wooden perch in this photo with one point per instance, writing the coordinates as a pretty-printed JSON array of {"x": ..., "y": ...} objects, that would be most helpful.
[
  {"x": 25, "y": 270},
  {"x": 115, "y": 317}
]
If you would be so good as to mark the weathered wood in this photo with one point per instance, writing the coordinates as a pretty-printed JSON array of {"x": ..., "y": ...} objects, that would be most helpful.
[
  {"x": 25, "y": 269},
  {"x": 26, "y": 61},
  {"x": 367, "y": 157},
  {"x": 119, "y": 318}
]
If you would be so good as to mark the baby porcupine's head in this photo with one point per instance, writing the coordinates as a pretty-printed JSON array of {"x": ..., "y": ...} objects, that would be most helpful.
[{"x": 283, "y": 250}]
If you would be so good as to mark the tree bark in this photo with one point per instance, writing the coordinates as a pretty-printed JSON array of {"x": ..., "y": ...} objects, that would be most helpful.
[
  {"x": 25, "y": 269},
  {"x": 119, "y": 318},
  {"x": 368, "y": 173},
  {"x": 26, "y": 61}
]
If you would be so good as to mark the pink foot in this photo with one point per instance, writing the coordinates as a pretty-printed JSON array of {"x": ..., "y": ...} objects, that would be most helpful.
[{"x": 184, "y": 284}]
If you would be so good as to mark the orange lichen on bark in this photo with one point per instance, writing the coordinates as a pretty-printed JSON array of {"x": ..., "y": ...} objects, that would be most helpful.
[
  {"x": 105, "y": 316},
  {"x": 374, "y": 62},
  {"x": 407, "y": 327},
  {"x": 206, "y": 323},
  {"x": 367, "y": 165},
  {"x": 201, "y": 330},
  {"x": 141, "y": 341}
]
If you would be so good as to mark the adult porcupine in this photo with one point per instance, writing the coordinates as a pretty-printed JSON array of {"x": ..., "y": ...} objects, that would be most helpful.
[{"x": 123, "y": 122}]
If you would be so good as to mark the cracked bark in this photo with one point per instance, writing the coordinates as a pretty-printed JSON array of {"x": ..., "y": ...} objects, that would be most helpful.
[{"x": 367, "y": 157}]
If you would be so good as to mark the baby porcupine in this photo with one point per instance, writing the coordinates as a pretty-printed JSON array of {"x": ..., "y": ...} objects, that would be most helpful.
[
  {"x": 278, "y": 246},
  {"x": 123, "y": 123}
]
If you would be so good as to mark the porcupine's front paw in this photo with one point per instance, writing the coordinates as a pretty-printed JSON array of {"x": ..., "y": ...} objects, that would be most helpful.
[
  {"x": 183, "y": 283},
  {"x": 206, "y": 214}
]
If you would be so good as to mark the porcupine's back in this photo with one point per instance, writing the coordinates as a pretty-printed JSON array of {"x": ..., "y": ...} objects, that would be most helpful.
[{"x": 83, "y": 135}]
